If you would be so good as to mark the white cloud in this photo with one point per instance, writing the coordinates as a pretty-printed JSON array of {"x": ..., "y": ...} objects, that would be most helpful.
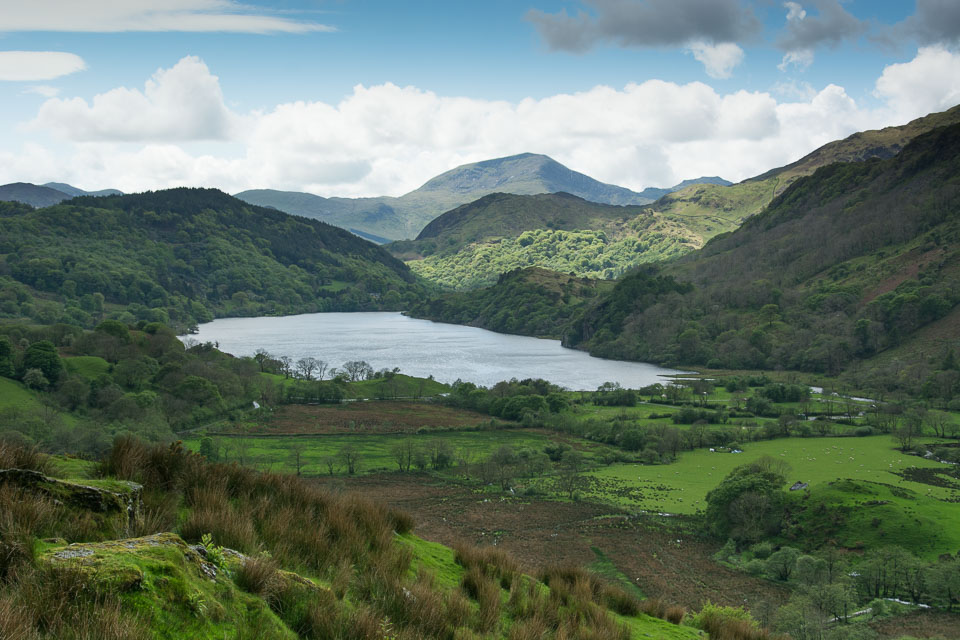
[
  {"x": 30, "y": 66},
  {"x": 105, "y": 16},
  {"x": 799, "y": 59},
  {"x": 795, "y": 11},
  {"x": 44, "y": 90},
  {"x": 180, "y": 103},
  {"x": 718, "y": 59},
  {"x": 387, "y": 139},
  {"x": 929, "y": 82}
]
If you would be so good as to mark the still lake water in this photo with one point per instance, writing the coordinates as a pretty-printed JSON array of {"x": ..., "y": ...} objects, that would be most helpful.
[{"x": 421, "y": 348}]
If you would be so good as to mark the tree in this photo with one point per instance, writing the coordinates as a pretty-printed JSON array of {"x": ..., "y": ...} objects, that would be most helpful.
[
  {"x": 43, "y": 355},
  {"x": 782, "y": 563},
  {"x": 357, "y": 370},
  {"x": 748, "y": 502},
  {"x": 402, "y": 453},
  {"x": 307, "y": 366},
  {"x": 350, "y": 458},
  {"x": 35, "y": 379},
  {"x": 286, "y": 365},
  {"x": 261, "y": 356},
  {"x": 504, "y": 462},
  {"x": 332, "y": 463},
  {"x": 910, "y": 427},
  {"x": 208, "y": 449},
  {"x": 297, "y": 450},
  {"x": 441, "y": 454},
  {"x": 569, "y": 478}
]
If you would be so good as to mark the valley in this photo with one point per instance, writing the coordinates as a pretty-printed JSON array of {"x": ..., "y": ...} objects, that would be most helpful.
[{"x": 216, "y": 421}]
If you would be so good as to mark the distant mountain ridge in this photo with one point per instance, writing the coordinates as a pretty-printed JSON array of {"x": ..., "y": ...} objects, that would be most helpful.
[
  {"x": 48, "y": 194},
  {"x": 405, "y": 216}
]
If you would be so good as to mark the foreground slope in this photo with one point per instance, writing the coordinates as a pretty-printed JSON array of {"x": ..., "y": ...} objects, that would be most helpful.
[
  {"x": 272, "y": 557},
  {"x": 185, "y": 255},
  {"x": 844, "y": 264}
]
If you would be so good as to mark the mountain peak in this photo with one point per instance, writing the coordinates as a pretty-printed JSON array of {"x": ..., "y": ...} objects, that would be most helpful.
[{"x": 526, "y": 174}]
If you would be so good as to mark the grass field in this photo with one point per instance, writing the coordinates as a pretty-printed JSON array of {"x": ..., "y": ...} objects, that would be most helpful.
[
  {"x": 15, "y": 395},
  {"x": 90, "y": 367},
  {"x": 273, "y": 453},
  {"x": 682, "y": 486},
  {"x": 872, "y": 515}
]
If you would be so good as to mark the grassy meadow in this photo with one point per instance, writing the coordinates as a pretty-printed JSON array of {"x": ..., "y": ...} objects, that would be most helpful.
[{"x": 682, "y": 486}]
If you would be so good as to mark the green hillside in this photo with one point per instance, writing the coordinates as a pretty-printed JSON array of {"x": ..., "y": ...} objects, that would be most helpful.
[
  {"x": 733, "y": 204},
  {"x": 472, "y": 245},
  {"x": 184, "y": 256},
  {"x": 844, "y": 265},
  {"x": 549, "y": 300}
]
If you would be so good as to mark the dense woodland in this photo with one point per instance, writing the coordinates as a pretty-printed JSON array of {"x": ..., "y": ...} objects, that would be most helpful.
[{"x": 184, "y": 256}]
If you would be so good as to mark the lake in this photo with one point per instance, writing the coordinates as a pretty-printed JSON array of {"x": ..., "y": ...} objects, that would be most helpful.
[{"x": 422, "y": 348}]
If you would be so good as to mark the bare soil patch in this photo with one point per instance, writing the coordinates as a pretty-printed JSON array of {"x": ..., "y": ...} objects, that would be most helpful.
[
  {"x": 663, "y": 557},
  {"x": 367, "y": 417},
  {"x": 920, "y": 624}
]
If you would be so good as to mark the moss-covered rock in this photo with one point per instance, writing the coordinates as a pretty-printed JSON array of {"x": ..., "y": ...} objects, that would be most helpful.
[
  {"x": 115, "y": 504},
  {"x": 171, "y": 587}
]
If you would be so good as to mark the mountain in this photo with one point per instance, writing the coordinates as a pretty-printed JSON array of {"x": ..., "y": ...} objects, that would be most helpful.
[
  {"x": 525, "y": 174},
  {"x": 186, "y": 255},
  {"x": 46, "y": 195},
  {"x": 848, "y": 263},
  {"x": 404, "y": 217},
  {"x": 655, "y": 194},
  {"x": 74, "y": 191},
  {"x": 34, "y": 195},
  {"x": 737, "y": 202},
  {"x": 472, "y": 245},
  {"x": 486, "y": 240}
]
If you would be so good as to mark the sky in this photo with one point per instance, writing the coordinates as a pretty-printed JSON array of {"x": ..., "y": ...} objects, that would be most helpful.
[{"x": 375, "y": 97}]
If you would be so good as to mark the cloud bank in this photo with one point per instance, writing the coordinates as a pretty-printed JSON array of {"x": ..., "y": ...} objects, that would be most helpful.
[
  {"x": 109, "y": 16},
  {"x": 387, "y": 140},
  {"x": 31, "y": 66}
]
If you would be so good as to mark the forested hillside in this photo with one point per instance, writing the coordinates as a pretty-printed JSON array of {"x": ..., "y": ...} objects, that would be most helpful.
[
  {"x": 183, "y": 256},
  {"x": 472, "y": 245},
  {"x": 548, "y": 300},
  {"x": 845, "y": 264}
]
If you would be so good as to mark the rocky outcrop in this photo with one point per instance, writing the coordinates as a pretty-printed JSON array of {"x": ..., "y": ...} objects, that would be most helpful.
[{"x": 117, "y": 502}]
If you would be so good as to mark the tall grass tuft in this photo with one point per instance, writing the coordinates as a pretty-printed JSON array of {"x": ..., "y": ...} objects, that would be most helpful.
[{"x": 14, "y": 456}]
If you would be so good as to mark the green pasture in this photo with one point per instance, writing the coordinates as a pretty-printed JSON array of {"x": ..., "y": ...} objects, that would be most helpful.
[
  {"x": 682, "y": 486},
  {"x": 274, "y": 453},
  {"x": 90, "y": 367},
  {"x": 14, "y": 395},
  {"x": 871, "y": 515}
]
